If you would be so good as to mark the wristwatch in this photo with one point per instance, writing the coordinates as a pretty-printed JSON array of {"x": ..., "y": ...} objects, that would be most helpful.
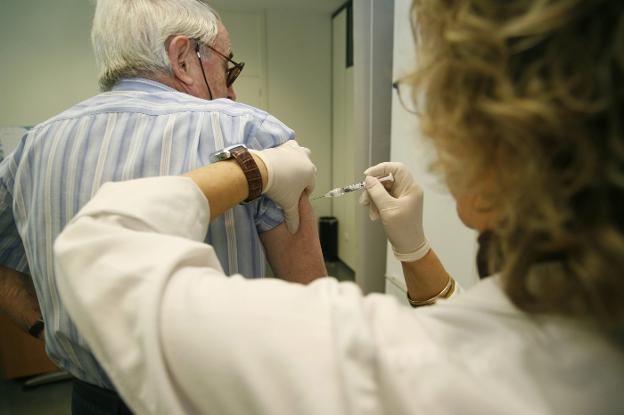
[{"x": 244, "y": 159}]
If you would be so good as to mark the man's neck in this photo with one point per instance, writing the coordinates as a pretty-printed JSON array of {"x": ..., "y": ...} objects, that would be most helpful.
[{"x": 168, "y": 81}]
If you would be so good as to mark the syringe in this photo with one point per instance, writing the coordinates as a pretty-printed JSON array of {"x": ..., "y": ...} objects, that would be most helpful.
[{"x": 341, "y": 191}]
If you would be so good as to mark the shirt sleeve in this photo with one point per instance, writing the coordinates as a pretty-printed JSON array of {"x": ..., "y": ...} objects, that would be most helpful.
[
  {"x": 180, "y": 337},
  {"x": 268, "y": 215},
  {"x": 12, "y": 253},
  {"x": 271, "y": 132},
  {"x": 97, "y": 244}
]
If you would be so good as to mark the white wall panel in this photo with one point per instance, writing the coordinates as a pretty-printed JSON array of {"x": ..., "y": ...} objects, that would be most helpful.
[
  {"x": 343, "y": 142},
  {"x": 372, "y": 33}
]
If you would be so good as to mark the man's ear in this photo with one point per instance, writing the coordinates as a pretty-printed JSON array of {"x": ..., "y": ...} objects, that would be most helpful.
[{"x": 182, "y": 58}]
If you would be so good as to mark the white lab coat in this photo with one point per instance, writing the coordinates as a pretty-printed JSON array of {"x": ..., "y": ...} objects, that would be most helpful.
[{"x": 177, "y": 337}]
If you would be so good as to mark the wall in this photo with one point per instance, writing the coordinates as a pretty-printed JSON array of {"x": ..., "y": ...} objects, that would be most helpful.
[
  {"x": 361, "y": 131},
  {"x": 249, "y": 44},
  {"x": 47, "y": 64},
  {"x": 343, "y": 143},
  {"x": 299, "y": 85},
  {"x": 373, "y": 40},
  {"x": 452, "y": 241}
]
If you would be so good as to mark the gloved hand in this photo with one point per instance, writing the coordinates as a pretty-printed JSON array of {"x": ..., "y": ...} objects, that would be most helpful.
[
  {"x": 290, "y": 172},
  {"x": 400, "y": 209}
]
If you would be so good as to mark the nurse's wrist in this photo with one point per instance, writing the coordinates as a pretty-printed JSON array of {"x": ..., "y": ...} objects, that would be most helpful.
[
  {"x": 413, "y": 256},
  {"x": 426, "y": 279},
  {"x": 447, "y": 292}
]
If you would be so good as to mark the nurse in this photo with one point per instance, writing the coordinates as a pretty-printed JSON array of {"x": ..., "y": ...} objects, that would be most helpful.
[{"x": 524, "y": 108}]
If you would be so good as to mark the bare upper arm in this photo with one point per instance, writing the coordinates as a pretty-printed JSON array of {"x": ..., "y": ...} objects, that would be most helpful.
[{"x": 296, "y": 257}]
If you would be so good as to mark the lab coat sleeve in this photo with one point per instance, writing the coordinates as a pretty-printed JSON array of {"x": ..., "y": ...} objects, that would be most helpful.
[
  {"x": 113, "y": 263},
  {"x": 176, "y": 336}
]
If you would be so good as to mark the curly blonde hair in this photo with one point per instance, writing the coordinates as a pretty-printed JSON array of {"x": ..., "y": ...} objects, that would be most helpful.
[{"x": 531, "y": 94}]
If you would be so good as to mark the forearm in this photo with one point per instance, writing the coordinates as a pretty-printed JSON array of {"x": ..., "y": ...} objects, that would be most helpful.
[
  {"x": 18, "y": 299},
  {"x": 426, "y": 277},
  {"x": 224, "y": 184}
]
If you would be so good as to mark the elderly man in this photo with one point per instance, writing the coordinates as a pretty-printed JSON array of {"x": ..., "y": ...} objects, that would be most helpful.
[{"x": 167, "y": 69}]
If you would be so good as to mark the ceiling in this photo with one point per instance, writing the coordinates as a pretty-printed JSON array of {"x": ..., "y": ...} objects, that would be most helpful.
[{"x": 322, "y": 6}]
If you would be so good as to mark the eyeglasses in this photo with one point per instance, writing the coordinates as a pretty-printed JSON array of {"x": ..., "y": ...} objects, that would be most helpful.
[
  {"x": 410, "y": 100},
  {"x": 233, "y": 72}
]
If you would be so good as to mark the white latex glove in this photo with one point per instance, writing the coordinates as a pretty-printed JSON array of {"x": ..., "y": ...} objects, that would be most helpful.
[
  {"x": 290, "y": 172},
  {"x": 400, "y": 209}
]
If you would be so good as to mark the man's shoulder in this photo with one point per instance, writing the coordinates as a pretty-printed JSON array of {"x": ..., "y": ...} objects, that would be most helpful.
[
  {"x": 160, "y": 103},
  {"x": 238, "y": 122},
  {"x": 222, "y": 106}
]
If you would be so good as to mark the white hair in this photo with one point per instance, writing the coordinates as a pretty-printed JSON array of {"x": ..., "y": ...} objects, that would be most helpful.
[{"x": 129, "y": 36}]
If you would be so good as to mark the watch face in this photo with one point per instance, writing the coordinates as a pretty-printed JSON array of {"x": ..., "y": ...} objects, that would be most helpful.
[
  {"x": 225, "y": 153},
  {"x": 222, "y": 155}
]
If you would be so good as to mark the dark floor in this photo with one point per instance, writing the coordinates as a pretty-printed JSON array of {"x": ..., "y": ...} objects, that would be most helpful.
[
  {"x": 49, "y": 399},
  {"x": 55, "y": 398},
  {"x": 340, "y": 271}
]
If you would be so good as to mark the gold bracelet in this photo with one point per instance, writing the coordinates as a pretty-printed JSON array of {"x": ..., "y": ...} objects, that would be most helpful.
[{"x": 445, "y": 293}]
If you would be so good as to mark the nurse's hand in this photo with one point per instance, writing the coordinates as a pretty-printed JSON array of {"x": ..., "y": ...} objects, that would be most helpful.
[
  {"x": 400, "y": 209},
  {"x": 290, "y": 171}
]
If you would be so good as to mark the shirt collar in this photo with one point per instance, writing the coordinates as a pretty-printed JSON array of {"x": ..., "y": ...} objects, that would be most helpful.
[{"x": 141, "y": 85}]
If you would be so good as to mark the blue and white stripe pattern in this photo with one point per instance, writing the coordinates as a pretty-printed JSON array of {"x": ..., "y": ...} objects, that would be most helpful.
[{"x": 141, "y": 128}]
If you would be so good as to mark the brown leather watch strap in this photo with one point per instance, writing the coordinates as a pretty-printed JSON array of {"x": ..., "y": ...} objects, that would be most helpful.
[{"x": 252, "y": 173}]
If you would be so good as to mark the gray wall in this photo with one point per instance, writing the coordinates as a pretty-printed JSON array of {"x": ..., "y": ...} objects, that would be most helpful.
[{"x": 47, "y": 64}]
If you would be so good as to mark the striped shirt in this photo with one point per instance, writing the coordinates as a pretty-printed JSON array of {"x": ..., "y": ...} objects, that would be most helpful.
[{"x": 141, "y": 128}]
